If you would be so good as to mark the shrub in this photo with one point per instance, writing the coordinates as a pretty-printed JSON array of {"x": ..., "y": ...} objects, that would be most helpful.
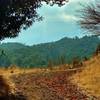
[
  {"x": 76, "y": 63},
  {"x": 97, "y": 50}
]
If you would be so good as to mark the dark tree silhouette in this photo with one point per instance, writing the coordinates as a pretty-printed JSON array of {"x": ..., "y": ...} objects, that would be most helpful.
[
  {"x": 76, "y": 63},
  {"x": 5, "y": 91},
  {"x": 20, "y": 14},
  {"x": 97, "y": 52},
  {"x": 90, "y": 17}
]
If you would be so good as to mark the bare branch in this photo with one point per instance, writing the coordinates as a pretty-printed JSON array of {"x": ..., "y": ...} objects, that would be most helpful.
[{"x": 90, "y": 17}]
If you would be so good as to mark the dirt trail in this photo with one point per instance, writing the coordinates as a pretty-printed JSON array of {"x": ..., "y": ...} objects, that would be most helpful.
[
  {"x": 44, "y": 84},
  {"x": 51, "y": 85}
]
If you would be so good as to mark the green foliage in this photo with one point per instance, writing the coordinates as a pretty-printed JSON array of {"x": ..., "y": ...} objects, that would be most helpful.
[
  {"x": 59, "y": 52},
  {"x": 20, "y": 14}
]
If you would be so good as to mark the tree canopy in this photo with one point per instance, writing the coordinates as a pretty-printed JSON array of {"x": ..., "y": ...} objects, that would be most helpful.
[
  {"x": 20, "y": 14},
  {"x": 90, "y": 17}
]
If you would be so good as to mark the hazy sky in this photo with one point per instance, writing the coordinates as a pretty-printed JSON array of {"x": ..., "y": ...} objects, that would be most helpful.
[{"x": 58, "y": 22}]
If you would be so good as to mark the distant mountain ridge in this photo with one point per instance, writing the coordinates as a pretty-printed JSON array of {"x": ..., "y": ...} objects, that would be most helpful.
[{"x": 39, "y": 55}]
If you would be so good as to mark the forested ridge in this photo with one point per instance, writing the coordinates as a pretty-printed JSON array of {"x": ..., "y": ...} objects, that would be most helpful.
[{"x": 58, "y": 52}]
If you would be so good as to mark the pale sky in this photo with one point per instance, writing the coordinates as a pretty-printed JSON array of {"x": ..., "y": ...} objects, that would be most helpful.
[{"x": 58, "y": 22}]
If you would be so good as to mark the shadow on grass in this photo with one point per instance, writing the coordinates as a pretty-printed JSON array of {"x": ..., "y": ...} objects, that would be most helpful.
[
  {"x": 13, "y": 97},
  {"x": 5, "y": 91}
]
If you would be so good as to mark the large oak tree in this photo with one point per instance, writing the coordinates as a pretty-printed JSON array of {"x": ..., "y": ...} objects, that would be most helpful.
[{"x": 20, "y": 14}]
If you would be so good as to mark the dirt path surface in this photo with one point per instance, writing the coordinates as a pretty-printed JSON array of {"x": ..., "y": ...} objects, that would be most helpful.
[{"x": 54, "y": 85}]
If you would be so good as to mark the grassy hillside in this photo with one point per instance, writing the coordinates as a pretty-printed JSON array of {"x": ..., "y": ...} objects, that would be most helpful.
[
  {"x": 89, "y": 78},
  {"x": 62, "y": 51}
]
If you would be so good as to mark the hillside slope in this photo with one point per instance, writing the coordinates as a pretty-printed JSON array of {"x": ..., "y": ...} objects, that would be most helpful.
[{"x": 89, "y": 78}]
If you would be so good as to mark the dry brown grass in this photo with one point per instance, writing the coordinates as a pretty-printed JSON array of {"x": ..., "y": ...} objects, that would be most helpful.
[
  {"x": 42, "y": 84},
  {"x": 89, "y": 78},
  {"x": 15, "y": 70}
]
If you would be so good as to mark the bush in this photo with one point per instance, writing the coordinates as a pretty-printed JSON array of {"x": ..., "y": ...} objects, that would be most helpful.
[
  {"x": 76, "y": 63},
  {"x": 97, "y": 50},
  {"x": 85, "y": 58}
]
